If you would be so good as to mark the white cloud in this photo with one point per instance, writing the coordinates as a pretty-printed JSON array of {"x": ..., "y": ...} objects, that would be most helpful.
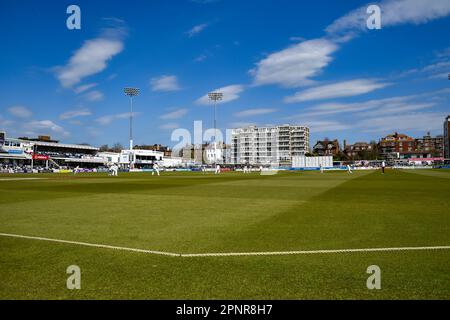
[
  {"x": 83, "y": 88},
  {"x": 20, "y": 112},
  {"x": 4, "y": 123},
  {"x": 325, "y": 126},
  {"x": 402, "y": 113},
  {"x": 94, "y": 95},
  {"x": 104, "y": 120},
  {"x": 393, "y": 105},
  {"x": 336, "y": 90},
  {"x": 420, "y": 121},
  {"x": 443, "y": 53},
  {"x": 76, "y": 122},
  {"x": 297, "y": 39},
  {"x": 294, "y": 66},
  {"x": 196, "y": 29},
  {"x": 439, "y": 76},
  {"x": 75, "y": 113},
  {"x": 91, "y": 58},
  {"x": 37, "y": 127},
  {"x": 393, "y": 12},
  {"x": 174, "y": 114},
  {"x": 201, "y": 57},
  {"x": 437, "y": 67},
  {"x": 434, "y": 70},
  {"x": 397, "y": 110},
  {"x": 241, "y": 124},
  {"x": 165, "y": 83},
  {"x": 254, "y": 112},
  {"x": 230, "y": 93},
  {"x": 169, "y": 126}
]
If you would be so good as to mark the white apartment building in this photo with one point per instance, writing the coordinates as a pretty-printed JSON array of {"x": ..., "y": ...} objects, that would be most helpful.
[
  {"x": 214, "y": 153},
  {"x": 269, "y": 145}
]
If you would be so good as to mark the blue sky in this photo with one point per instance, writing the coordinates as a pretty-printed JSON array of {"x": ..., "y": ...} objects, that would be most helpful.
[{"x": 276, "y": 62}]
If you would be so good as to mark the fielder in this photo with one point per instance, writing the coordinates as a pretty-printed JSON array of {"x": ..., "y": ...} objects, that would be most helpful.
[
  {"x": 217, "y": 169},
  {"x": 349, "y": 169},
  {"x": 155, "y": 169},
  {"x": 115, "y": 170}
]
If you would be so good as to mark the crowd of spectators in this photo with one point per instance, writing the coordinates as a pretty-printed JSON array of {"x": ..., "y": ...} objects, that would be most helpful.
[{"x": 70, "y": 155}]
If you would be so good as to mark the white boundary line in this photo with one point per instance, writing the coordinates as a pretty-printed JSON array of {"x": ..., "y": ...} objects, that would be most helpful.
[
  {"x": 280, "y": 253},
  {"x": 90, "y": 244},
  {"x": 228, "y": 254}
]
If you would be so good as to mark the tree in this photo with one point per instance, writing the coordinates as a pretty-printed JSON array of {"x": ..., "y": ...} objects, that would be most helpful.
[
  {"x": 104, "y": 148},
  {"x": 117, "y": 147},
  {"x": 340, "y": 156}
]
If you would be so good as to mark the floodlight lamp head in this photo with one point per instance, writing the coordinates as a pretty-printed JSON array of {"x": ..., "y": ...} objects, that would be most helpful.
[
  {"x": 215, "y": 96},
  {"x": 131, "y": 92}
]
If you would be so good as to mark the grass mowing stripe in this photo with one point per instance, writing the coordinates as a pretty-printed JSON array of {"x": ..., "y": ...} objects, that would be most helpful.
[
  {"x": 429, "y": 173},
  {"x": 227, "y": 254}
]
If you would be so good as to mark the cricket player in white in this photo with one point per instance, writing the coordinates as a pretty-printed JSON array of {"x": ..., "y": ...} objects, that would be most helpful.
[
  {"x": 217, "y": 169},
  {"x": 321, "y": 168},
  {"x": 115, "y": 170},
  {"x": 383, "y": 166},
  {"x": 349, "y": 169},
  {"x": 155, "y": 169}
]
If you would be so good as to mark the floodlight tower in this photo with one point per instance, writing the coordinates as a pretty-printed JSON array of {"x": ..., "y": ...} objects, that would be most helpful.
[
  {"x": 214, "y": 97},
  {"x": 131, "y": 92}
]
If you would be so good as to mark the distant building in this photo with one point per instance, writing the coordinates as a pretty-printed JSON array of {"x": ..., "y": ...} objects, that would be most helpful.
[
  {"x": 269, "y": 145},
  {"x": 140, "y": 159},
  {"x": 327, "y": 148},
  {"x": 354, "y": 150},
  {"x": 45, "y": 152},
  {"x": 205, "y": 153},
  {"x": 109, "y": 157},
  {"x": 429, "y": 144},
  {"x": 447, "y": 137},
  {"x": 214, "y": 153},
  {"x": 40, "y": 138},
  {"x": 401, "y": 146},
  {"x": 156, "y": 147},
  {"x": 393, "y": 145}
]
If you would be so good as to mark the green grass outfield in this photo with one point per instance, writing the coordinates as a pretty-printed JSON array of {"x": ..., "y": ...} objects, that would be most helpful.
[{"x": 202, "y": 213}]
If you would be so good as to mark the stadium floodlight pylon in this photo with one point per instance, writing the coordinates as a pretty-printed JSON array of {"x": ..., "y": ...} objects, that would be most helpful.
[
  {"x": 131, "y": 92},
  {"x": 214, "y": 97}
]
